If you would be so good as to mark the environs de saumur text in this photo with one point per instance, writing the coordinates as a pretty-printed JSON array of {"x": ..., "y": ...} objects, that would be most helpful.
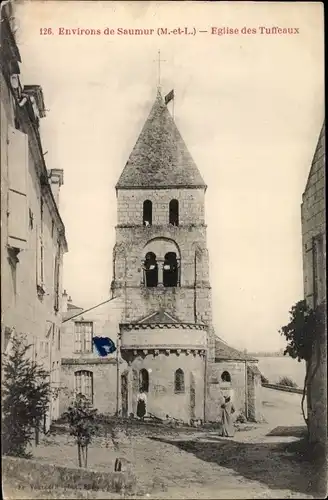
[{"x": 182, "y": 31}]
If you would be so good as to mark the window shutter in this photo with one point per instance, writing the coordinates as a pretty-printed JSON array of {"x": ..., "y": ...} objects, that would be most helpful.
[
  {"x": 88, "y": 337},
  {"x": 17, "y": 194},
  {"x": 39, "y": 271},
  {"x": 78, "y": 382},
  {"x": 56, "y": 280},
  {"x": 78, "y": 343}
]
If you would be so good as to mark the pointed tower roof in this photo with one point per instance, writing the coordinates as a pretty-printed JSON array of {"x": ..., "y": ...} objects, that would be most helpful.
[{"x": 160, "y": 157}]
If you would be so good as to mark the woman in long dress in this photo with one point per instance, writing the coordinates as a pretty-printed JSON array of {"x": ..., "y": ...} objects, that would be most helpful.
[
  {"x": 227, "y": 422},
  {"x": 141, "y": 404}
]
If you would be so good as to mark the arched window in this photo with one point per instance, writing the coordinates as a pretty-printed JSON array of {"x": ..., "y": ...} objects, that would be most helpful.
[
  {"x": 147, "y": 213},
  {"x": 225, "y": 377},
  {"x": 179, "y": 385},
  {"x": 144, "y": 380},
  {"x": 151, "y": 270},
  {"x": 84, "y": 384},
  {"x": 174, "y": 212},
  {"x": 170, "y": 269}
]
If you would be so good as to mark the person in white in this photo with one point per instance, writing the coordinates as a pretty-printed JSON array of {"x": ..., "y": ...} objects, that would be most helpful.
[{"x": 141, "y": 404}]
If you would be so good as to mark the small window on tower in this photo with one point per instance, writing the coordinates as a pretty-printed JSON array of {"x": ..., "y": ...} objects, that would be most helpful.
[
  {"x": 174, "y": 212},
  {"x": 151, "y": 270},
  {"x": 147, "y": 213}
]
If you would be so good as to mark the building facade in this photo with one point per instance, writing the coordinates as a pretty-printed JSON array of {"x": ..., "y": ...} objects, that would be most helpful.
[
  {"x": 314, "y": 273},
  {"x": 161, "y": 295},
  {"x": 32, "y": 233}
]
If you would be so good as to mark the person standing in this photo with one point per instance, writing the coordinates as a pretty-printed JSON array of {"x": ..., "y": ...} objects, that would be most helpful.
[
  {"x": 227, "y": 421},
  {"x": 141, "y": 404}
]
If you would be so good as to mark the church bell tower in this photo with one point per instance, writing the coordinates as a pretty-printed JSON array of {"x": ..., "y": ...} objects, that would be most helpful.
[{"x": 161, "y": 273}]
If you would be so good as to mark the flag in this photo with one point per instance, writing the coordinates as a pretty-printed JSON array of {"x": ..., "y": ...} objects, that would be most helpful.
[
  {"x": 104, "y": 345},
  {"x": 169, "y": 97}
]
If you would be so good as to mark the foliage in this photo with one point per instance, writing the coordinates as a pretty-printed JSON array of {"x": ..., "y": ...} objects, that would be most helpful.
[
  {"x": 288, "y": 382},
  {"x": 264, "y": 380},
  {"x": 82, "y": 417},
  {"x": 305, "y": 326},
  {"x": 25, "y": 398}
]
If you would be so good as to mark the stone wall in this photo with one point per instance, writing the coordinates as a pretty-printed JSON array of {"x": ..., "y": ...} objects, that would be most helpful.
[
  {"x": 314, "y": 272},
  {"x": 104, "y": 374},
  {"x": 176, "y": 336},
  {"x": 254, "y": 396},
  {"x": 105, "y": 321},
  {"x": 20, "y": 473},
  {"x": 130, "y": 205},
  {"x": 162, "y": 398},
  {"x": 217, "y": 388}
]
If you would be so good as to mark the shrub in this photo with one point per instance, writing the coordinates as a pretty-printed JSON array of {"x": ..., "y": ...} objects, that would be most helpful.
[
  {"x": 264, "y": 380},
  {"x": 288, "y": 382},
  {"x": 25, "y": 398},
  {"x": 81, "y": 417}
]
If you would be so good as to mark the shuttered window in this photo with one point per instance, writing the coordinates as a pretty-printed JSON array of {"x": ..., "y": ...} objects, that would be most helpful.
[
  {"x": 83, "y": 336},
  {"x": 17, "y": 194},
  {"x": 84, "y": 384}
]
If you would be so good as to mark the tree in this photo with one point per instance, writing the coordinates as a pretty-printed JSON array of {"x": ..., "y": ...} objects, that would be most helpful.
[
  {"x": 25, "y": 394},
  {"x": 81, "y": 417},
  {"x": 305, "y": 326}
]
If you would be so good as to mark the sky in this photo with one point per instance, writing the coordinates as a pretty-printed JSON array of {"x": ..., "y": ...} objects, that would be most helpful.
[{"x": 249, "y": 107}]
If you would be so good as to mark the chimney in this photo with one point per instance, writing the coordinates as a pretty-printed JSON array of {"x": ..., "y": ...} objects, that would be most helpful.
[
  {"x": 56, "y": 179},
  {"x": 64, "y": 301}
]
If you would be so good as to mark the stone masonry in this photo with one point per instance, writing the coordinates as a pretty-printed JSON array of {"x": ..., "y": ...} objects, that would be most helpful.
[{"x": 314, "y": 273}]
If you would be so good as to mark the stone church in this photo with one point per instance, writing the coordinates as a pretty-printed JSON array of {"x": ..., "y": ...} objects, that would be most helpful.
[{"x": 160, "y": 312}]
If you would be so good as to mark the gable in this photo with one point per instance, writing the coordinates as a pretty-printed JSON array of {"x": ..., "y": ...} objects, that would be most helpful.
[{"x": 160, "y": 316}]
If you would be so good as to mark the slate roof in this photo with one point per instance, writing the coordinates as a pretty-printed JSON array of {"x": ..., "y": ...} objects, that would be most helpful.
[
  {"x": 71, "y": 313},
  {"x": 72, "y": 306},
  {"x": 160, "y": 157},
  {"x": 224, "y": 351}
]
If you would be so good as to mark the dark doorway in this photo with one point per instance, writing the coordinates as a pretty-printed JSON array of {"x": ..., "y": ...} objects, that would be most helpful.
[
  {"x": 124, "y": 395},
  {"x": 147, "y": 213},
  {"x": 151, "y": 270},
  {"x": 144, "y": 380},
  {"x": 170, "y": 270},
  {"x": 174, "y": 212}
]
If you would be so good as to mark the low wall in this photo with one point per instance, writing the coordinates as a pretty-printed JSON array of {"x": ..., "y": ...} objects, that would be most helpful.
[
  {"x": 284, "y": 388},
  {"x": 38, "y": 475}
]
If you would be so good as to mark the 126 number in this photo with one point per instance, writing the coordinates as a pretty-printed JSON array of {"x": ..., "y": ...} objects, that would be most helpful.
[{"x": 46, "y": 31}]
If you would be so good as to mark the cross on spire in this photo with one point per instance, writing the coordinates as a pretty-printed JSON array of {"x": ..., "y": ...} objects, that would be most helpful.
[{"x": 159, "y": 60}]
